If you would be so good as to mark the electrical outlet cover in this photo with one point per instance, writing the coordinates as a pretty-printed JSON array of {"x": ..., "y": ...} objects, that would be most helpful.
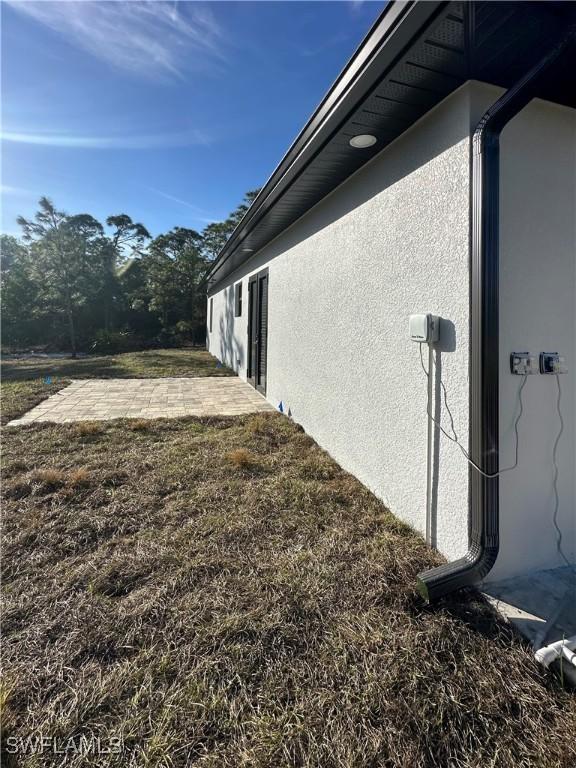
[
  {"x": 523, "y": 363},
  {"x": 552, "y": 362}
]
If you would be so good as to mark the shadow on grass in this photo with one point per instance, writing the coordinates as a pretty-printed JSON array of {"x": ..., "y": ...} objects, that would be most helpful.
[
  {"x": 148, "y": 364},
  {"x": 467, "y": 607}
]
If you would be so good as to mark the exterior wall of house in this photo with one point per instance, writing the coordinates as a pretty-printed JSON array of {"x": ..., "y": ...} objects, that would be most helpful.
[
  {"x": 343, "y": 280},
  {"x": 393, "y": 240},
  {"x": 537, "y": 314}
]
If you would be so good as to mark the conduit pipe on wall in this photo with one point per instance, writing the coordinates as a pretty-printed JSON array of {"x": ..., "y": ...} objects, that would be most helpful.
[
  {"x": 430, "y": 449},
  {"x": 483, "y": 519}
]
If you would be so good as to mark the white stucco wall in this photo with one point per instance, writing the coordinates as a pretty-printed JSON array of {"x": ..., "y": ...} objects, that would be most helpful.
[
  {"x": 343, "y": 280},
  {"x": 393, "y": 240},
  {"x": 537, "y": 314}
]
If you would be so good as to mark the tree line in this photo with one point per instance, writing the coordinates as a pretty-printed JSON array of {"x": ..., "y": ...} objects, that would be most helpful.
[{"x": 73, "y": 283}]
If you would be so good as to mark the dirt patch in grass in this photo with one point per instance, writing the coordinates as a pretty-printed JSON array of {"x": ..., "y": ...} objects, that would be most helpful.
[
  {"x": 212, "y": 616},
  {"x": 137, "y": 425},
  {"x": 240, "y": 458},
  {"x": 87, "y": 428}
]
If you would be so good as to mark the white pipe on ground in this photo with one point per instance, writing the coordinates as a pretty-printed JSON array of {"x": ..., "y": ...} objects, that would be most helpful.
[
  {"x": 569, "y": 655},
  {"x": 554, "y": 651}
]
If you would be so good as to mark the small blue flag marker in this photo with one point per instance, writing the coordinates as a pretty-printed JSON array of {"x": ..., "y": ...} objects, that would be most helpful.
[
  {"x": 281, "y": 407},
  {"x": 48, "y": 380}
]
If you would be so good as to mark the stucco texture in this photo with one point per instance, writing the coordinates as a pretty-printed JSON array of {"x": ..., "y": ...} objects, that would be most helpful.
[
  {"x": 343, "y": 281},
  {"x": 538, "y": 314},
  {"x": 394, "y": 240}
]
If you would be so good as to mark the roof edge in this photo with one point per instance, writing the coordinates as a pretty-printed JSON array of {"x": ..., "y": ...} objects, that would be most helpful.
[{"x": 394, "y": 29}]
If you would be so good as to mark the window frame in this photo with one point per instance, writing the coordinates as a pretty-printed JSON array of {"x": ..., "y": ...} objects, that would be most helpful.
[{"x": 238, "y": 291}]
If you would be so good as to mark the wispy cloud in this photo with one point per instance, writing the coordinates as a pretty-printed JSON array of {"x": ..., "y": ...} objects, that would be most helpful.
[
  {"x": 324, "y": 45},
  {"x": 357, "y": 6},
  {"x": 7, "y": 190},
  {"x": 151, "y": 141},
  {"x": 201, "y": 214},
  {"x": 147, "y": 37}
]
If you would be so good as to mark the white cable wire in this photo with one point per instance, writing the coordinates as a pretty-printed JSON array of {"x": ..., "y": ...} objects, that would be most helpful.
[
  {"x": 455, "y": 438},
  {"x": 555, "y": 481},
  {"x": 568, "y": 598}
]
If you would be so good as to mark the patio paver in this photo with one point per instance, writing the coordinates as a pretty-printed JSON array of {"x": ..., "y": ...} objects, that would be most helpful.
[{"x": 103, "y": 399}]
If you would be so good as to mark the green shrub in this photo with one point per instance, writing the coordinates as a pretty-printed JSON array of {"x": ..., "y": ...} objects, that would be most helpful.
[{"x": 113, "y": 342}]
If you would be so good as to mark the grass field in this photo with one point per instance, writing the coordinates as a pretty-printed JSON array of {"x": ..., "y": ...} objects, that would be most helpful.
[
  {"x": 151, "y": 363},
  {"x": 218, "y": 592}
]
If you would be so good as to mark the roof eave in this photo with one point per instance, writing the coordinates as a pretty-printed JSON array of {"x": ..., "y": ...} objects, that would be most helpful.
[{"x": 389, "y": 36}]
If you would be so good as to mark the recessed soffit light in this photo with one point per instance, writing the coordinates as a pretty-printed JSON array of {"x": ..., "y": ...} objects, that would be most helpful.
[{"x": 363, "y": 141}]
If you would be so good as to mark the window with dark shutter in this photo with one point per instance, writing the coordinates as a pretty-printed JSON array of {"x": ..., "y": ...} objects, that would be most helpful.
[
  {"x": 238, "y": 300},
  {"x": 263, "y": 331}
]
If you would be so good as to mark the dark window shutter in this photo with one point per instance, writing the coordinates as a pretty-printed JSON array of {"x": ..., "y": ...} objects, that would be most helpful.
[
  {"x": 263, "y": 323},
  {"x": 238, "y": 300}
]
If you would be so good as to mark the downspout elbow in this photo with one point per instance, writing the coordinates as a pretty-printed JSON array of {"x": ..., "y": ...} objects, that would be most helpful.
[{"x": 465, "y": 572}]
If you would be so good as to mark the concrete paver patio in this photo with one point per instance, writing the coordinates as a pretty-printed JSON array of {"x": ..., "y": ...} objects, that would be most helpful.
[{"x": 102, "y": 399}]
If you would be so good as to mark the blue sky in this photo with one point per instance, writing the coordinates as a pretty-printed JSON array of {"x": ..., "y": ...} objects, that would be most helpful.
[{"x": 166, "y": 111}]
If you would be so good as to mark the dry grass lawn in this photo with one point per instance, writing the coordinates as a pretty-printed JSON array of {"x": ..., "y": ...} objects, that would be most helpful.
[
  {"x": 218, "y": 592},
  {"x": 148, "y": 364},
  {"x": 20, "y": 396}
]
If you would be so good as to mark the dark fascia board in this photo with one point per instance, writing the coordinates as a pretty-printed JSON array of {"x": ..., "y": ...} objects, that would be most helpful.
[{"x": 392, "y": 32}]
